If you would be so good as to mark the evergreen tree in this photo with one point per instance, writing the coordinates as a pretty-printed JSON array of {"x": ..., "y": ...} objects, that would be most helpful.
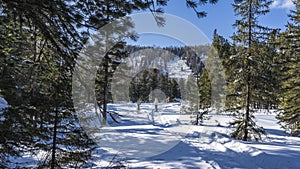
[
  {"x": 191, "y": 95},
  {"x": 289, "y": 115},
  {"x": 174, "y": 90},
  {"x": 248, "y": 35},
  {"x": 204, "y": 91},
  {"x": 224, "y": 50},
  {"x": 144, "y": 86},
  {"x": 40, "y": 116},
  {"x": 153, "y": 81},
  {"x": 266, "y": 74},
  {"x": 204, "y": 86},
  {"x": 216, "y": 72},
  {"x": 134, "y": 91},
  {"x": 163, "y": 84}
]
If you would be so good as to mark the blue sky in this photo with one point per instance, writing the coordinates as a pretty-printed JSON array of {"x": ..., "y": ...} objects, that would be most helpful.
[{"x": 220, "y": 16}]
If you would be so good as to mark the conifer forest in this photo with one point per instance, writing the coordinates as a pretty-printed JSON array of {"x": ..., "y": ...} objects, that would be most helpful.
[{"x": 77, "y": 92}]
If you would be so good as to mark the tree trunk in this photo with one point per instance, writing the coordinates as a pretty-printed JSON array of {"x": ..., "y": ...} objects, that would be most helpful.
[
  {"x": 247, "y": 113},
  {"x": 105, "y": 88},
  {"x": 53, "y": 161}
]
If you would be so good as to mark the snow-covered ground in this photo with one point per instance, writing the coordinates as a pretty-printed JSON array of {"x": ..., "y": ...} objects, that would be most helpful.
[
  {"x": 165, "y": 139},
  {"x": 177, "y": 68},
  {"x": 3, "y": 105}
]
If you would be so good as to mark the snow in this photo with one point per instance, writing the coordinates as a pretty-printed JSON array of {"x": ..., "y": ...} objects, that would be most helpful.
[
  {"x": 166, "y": 139},
  {"x": 167, "y": 63},
  {"x": 3, "y": 103},
  {"x": 178, "y": 69}
]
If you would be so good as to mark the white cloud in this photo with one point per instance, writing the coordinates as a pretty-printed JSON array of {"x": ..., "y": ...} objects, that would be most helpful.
[
  {"x": 282, "y": 4},
  {"x": 275, "y": 3}
]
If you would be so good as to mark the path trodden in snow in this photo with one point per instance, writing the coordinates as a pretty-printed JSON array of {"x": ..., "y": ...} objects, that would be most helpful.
[
  {"x": 170, "y": 142},
  {"x": 141, "y": 134}
]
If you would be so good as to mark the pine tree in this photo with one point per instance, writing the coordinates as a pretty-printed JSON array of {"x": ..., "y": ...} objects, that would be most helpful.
[
  {"x": 191, "y": 95},
  {"x": 245, "y": 72},
  {"x": 224, "y": 50},
  {"x": 40, "y": 116},
  {"x": 204, "y": 94},
  {"x": 204, "y": 91},
  {"x": 266, "y": 74},
  {"x": 163, "y": 84},
  {"x": 216, "y": 72},
  {"x": 289, "y": 115},
  {"x": 12, "y": 84},
  {"x": 174, "y": 90}
]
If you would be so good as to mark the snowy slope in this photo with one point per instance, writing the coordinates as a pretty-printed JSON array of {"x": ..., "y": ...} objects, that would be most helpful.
[
  {"x": 159, "y": 59},
  {"x": 165, "y": 139},
  {"x": 177, "y": 69},
  {"x": 3, "y": 103}
]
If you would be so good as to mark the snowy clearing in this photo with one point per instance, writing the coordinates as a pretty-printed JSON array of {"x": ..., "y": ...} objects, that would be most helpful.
[{"x": 165, "y": 139}]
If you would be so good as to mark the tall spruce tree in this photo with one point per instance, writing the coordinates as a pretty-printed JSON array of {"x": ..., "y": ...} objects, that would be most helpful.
[
  {"x": 245, "y": 72},
  {"x": 39, "y": 118},
  {"x": 266, "y": 73},
  {"x": 224, "y": 50},
  {"x": 204, "y": 86},
  {"x": 289, "y": 115},
  {"x": 216, "y": 73}
]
